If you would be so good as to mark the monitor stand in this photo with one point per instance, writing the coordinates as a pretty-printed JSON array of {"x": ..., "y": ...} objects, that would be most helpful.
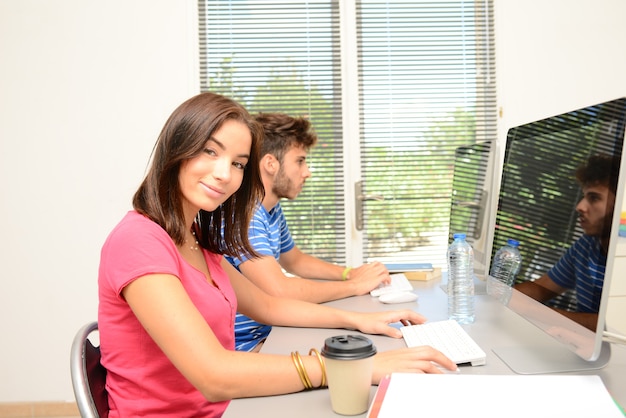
[{"x": 549, "y": 359}]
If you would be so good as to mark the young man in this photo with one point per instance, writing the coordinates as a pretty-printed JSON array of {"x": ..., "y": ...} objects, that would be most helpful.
[
  {"x": 582, "y": 266},
  {"x": 284, "y": 171}
]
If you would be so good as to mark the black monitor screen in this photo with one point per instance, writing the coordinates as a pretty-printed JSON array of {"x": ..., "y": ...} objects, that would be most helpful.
[{"x": 539, "y": 194}]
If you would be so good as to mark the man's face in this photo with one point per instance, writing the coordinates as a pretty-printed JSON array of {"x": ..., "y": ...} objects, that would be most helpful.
[
  {"x": 595, "y": 210},
  {"x": 292, "y": 174}
]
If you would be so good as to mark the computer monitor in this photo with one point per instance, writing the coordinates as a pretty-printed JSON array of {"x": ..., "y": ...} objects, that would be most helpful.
[
  {"x": 536, "y": 205},
  {"x": 473, "y": 169}
]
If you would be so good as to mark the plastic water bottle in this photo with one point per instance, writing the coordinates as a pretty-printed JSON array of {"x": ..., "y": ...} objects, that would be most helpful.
[
  {"x": 461, "y": 280},
  {"x": 506, "y": 265}
]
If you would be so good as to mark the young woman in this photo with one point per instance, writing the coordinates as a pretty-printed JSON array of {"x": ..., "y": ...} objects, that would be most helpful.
[{"x": 168, "y": 298}]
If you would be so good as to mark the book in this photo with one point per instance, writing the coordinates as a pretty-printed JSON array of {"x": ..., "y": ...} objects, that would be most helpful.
[
  {"x": 408, "y": 395},
  {"x": 407, "y": 267},
  {"x": 415, "y": 271},
  {"x": 423, "y": 275}
]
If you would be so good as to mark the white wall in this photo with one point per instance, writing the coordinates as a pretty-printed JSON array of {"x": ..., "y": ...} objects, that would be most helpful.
[
  {"x": 85, "y": 87},
  {"x": 557, "y": 55},
  {"x": 553, "y": 56}
]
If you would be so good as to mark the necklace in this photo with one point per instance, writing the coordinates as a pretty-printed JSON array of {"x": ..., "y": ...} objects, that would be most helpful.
[{"x": 196, "y": 246}]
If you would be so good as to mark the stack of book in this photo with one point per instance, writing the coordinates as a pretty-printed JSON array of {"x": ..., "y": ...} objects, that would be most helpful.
[{"x": 415, "y": 271}]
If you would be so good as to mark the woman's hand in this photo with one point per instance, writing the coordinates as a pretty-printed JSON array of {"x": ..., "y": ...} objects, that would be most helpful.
[
  {"x": 423, "y": 359},
  {"x": 378, "y": 322}
]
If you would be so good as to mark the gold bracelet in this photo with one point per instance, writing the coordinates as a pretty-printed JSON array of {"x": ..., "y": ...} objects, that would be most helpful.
[
  {"x": 309, "y": 385},
  {"x": 344, "y": 274},
  {"x": 297, "y": 361},
  {"x": 322, "y": 365}
]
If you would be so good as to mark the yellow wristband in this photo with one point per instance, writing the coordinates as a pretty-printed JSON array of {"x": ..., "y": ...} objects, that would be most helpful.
[{"x": 345, "y": 273}]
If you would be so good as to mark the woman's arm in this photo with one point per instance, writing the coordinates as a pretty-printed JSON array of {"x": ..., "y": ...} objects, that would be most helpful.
[
  {"x": 165, "y": 311},
  {"x": 267, "y": 309},
  {"x": 170, "y": 318},
  {"x": 278, "y": 311}
]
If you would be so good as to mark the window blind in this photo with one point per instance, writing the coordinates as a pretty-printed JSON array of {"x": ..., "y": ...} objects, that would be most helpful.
[
  {"x": 425, "y": 86},
  {"x": 283, "y": 56}
]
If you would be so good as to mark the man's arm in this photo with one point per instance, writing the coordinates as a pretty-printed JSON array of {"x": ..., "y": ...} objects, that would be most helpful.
[
  {"x": 307, "y": 266},
  {"x": 586, "y": 319},
  {"x": 543, "y": 289},
  {"x": 268, "y": 274}
]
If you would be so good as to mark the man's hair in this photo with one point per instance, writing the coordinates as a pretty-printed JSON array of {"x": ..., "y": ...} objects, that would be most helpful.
[
  {"x": 281, "y": 132},
  {"x": 599, "y": 169}
]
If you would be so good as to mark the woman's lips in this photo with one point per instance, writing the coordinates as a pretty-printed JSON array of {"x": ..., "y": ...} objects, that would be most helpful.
[{"x": 213, "y": 191}]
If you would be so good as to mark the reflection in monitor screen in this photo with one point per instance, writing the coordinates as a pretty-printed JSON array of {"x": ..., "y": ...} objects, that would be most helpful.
[
  {"x": 537, "y": 206},
  {"x": 470, "y": 185}
]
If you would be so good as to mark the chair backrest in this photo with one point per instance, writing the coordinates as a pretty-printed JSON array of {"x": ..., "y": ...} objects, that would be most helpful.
[{"x": 88, "y": 375}]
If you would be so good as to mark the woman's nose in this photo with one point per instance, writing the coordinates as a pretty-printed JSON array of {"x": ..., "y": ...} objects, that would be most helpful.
[{"x": 221, "y": 170}]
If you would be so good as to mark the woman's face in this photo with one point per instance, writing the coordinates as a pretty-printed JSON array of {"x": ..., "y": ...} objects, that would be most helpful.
[{"x": 207, "y": 180}]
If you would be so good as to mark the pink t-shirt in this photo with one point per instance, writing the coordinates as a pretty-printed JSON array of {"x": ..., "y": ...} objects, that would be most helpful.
[{"x": 141, "y": 380}]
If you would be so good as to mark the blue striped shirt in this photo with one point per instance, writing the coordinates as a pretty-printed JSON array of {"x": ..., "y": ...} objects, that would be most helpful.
[
  {"x": 582, "y": 268},
  {"x": 270, "y": 236}
]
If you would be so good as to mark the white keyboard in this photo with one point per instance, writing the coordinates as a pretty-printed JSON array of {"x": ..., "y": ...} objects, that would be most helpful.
[
  {"x": 399, "y": 283},
  {"x": 449, "y": 338}
]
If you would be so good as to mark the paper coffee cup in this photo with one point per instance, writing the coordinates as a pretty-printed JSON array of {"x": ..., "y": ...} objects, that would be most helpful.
[{"x": 349, "y": 362}]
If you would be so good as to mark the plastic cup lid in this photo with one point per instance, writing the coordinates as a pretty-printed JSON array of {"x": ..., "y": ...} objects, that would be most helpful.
[{"x": 348, "y": 347}]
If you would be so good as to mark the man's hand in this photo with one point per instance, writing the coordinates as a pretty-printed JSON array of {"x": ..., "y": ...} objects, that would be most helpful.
[{"x": 368, "y": 277}]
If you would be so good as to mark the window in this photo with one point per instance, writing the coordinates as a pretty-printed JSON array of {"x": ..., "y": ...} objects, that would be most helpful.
[{"x": 392, "y": 88}]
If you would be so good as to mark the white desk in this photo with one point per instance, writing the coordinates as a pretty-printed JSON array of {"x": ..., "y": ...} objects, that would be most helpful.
[{"x": 495, "y": 326}]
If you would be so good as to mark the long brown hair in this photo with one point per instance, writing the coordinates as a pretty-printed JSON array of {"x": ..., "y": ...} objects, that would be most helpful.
[{"x": 183, "y": 137}]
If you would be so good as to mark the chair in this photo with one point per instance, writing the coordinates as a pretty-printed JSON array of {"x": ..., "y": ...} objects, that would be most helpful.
[{"x": 88, "y": 375}]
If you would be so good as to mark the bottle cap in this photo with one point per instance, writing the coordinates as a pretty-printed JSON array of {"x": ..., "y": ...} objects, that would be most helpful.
[
  {"x": 512, "y": 242},
  {"x": 459, "y": 235}
]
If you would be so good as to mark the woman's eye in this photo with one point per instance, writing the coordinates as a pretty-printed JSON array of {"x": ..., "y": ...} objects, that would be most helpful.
[
  {"x": 239, "y": 165},
  {"x": 209, "y": 151}
]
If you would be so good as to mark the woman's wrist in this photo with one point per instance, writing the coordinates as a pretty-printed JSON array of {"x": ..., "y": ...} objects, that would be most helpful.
[{"x": 311, "y": 369}]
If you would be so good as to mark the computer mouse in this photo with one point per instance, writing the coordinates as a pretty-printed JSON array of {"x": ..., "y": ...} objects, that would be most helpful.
[{"x": 398, "y": 297}]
